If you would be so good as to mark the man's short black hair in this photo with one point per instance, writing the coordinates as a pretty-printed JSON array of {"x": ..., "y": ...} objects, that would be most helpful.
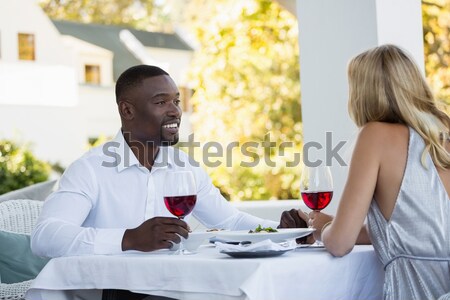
[{"x": 133, "y": 77}]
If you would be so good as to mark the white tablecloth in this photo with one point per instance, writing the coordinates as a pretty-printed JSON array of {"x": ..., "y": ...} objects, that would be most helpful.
[{"x": 300, "y": 274}]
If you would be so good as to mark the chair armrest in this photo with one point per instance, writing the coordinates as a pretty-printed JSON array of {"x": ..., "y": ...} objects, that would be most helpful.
[{"x": 14, "y": 291}]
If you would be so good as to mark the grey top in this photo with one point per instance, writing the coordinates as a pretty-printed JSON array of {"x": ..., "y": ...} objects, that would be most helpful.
[{"x": 414, "y": 245}]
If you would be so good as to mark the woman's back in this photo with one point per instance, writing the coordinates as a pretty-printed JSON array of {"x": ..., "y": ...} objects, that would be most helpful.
[
  {"x": 392, "y": 166},
  {"x": 392, "y": 179},
  {"x": 409, "y": 218}
]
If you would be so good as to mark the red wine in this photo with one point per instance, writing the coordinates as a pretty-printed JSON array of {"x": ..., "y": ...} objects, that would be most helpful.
[
  {"x": 317, "y": 200},
  {"x": 180, "y": 206}
]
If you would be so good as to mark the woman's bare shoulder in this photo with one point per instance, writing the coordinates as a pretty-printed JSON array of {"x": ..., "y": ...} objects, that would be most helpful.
[
  {"x": 379, "y": 137},
  {"x": 380, "y": 131}
]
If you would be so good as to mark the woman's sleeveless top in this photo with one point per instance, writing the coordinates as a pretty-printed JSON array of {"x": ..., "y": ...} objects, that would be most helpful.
[{"x": 414, "y": 245}]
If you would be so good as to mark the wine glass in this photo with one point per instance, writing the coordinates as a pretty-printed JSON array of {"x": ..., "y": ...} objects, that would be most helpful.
[
  {"x": 316, "y": 187},
  {"x": 180, "y": 195}
]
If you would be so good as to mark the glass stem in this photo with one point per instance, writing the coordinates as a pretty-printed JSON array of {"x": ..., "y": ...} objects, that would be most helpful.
[
  {"x": 318, "y": 243},
  {"x": 181, "y": 248}
]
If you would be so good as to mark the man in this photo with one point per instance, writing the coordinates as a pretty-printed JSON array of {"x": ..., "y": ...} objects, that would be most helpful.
[{"x": 110, "y": 200}]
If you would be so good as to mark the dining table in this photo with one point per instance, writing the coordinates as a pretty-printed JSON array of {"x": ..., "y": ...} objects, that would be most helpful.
[{"x": 303, "y": 273}]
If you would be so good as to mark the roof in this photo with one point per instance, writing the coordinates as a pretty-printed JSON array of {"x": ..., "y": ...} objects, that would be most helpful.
[{"x": 107, "y": 36}]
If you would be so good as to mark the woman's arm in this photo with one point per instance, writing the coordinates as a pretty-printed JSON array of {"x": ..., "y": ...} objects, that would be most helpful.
[
  {"x": 363, "y": 237},
  {"x": 319, "y": 220},
  {"x": 347, "y": 227}
]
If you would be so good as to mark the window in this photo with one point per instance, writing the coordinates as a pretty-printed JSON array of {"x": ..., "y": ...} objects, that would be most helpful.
[
  {"x": 92, "y": 74},
  {"x": 185, "y": 97},
  {"x": 26, "y": 46}
]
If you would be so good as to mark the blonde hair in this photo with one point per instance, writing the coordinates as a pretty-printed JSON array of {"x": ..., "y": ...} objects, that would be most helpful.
[{"x": 387, "y": 86}]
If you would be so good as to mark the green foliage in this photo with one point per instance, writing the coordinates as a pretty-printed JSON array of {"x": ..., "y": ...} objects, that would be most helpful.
[
  {"x": 246, "y": 78},
  {"x": 140, "y": 14},
  {"x": 96, "y": 11},
  {"x": 19, "y": 168},
  {"x": 97, "y": 141},
  {"x": 436, "y": 29},
  {"x": 58, "y": 168}
]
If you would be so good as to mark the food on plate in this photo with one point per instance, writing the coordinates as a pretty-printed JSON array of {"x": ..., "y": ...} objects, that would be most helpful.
[
  {"x": 214, "y": 229},
  {"x": 262, "y": 229}
]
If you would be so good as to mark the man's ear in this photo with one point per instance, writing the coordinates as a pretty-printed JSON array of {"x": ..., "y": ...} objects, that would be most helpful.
[{"x": 126, "y": 110}]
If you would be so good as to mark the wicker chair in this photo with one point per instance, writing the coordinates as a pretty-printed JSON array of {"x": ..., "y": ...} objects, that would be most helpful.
[
  {"x": 18, "y": 216},
  {"x": 445, "y": 297}
]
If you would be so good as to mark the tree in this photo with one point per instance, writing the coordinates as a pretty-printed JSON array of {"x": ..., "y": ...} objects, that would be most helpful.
[
  {"x": 436, "y": 29},
  {"x": 236, "y": 100},
  {"x": 246, "y": 80},
  {"x": 140, "y": 14},
  {"x": 19, "y": 168}
]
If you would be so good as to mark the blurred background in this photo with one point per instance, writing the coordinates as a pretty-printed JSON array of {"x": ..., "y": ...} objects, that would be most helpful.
[{"x": 236, "y": 64}]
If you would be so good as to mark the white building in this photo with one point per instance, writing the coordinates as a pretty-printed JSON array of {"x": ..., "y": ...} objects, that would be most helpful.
[{"x": 57, "y": 78}]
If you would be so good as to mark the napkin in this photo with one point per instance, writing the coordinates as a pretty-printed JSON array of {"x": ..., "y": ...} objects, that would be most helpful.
[{"x": 265, "y": 245}]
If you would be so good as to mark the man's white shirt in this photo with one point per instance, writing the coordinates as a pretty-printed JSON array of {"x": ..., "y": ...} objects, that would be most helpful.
[{"x": 107, "y": 191}]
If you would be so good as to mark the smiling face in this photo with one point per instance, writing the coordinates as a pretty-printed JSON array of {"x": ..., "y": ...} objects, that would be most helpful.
[{"x": 150, "y": 111}]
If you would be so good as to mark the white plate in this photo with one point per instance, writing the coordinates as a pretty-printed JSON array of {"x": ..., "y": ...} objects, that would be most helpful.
[
  {"x": 277, "y": 237},
  {"x": 255, "y": 254}
]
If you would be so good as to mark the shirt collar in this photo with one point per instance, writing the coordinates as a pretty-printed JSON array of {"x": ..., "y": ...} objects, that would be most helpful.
[{"x": 127, "y": 159}]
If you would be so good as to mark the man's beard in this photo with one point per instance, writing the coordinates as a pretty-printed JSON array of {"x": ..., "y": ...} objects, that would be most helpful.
[{"x": 166, "y": 142}]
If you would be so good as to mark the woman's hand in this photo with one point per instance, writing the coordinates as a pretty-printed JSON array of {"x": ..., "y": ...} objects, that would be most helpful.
[{"x": 317, "y": 220}]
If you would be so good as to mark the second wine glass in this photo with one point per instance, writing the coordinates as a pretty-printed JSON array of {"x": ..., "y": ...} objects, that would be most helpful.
[
  {"x": 316, "y": 187},
  {"x": 180, "y": 196}
]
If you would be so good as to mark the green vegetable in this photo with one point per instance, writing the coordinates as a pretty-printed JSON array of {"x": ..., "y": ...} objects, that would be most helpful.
[{"x": 260, "y": 229}]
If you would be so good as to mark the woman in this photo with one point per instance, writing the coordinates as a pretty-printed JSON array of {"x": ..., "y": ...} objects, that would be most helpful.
[{"x": 399, "y": 177}]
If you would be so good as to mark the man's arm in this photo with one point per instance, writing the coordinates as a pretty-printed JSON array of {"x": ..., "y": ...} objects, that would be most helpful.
[
  {"x": 59, "y": 230},
  {"x": 214, "y": 211},
  {"x": 154, "y": 234},
  {"x": 291, "y": 219}
]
